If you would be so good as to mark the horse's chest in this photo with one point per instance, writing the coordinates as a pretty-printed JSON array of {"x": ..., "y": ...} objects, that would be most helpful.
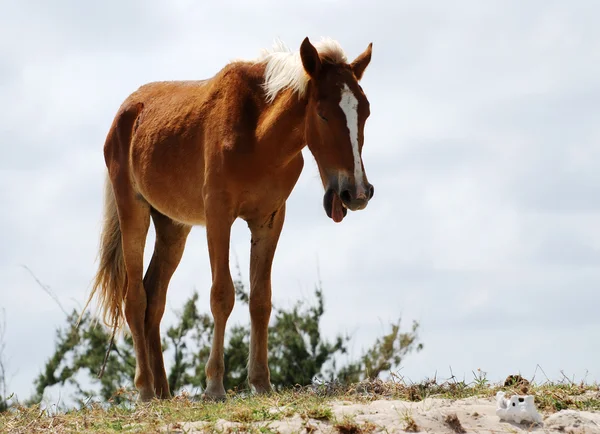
[{"x": 267, "y": 193}]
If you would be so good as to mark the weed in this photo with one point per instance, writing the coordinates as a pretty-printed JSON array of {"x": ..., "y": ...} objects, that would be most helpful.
[
  {"x": 452, "y": 421},
  {"x": 348, "y": 425},
  {"x": 410, "y": 425}
]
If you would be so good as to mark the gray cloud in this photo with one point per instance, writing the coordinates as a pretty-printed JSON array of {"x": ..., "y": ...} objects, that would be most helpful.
[{"x": 482, "y": 146}]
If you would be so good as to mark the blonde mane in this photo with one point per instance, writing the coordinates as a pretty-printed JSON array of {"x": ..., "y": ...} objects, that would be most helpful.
[{"x": 284, "y": 67}]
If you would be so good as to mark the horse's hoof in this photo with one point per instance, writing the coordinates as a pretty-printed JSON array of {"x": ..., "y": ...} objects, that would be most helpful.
[
  {"x": 259, "y": 389},
  {"x": 163, "y": 393},
  {"x": 213, "y": 398},
  {"x": 214, "y": 391},
  {"x": 146, "y": 395}
]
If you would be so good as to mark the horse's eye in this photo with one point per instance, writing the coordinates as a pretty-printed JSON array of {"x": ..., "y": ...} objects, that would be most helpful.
[{"x": 322, "y": 117}]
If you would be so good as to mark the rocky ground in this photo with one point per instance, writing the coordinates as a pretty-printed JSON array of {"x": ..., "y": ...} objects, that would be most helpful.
[{"x": 433, "y": 415}]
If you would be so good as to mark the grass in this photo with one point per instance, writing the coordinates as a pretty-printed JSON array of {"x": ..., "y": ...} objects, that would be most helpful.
[
  {"x": 408, "y": 422},
  {"x": 348, "y": 425},
  {"x": 452, "y": 421},
  {"x": 311, "y": 404}
]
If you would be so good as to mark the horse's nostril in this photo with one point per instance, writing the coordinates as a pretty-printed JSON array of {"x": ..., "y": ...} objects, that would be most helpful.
[
  {"x": 346, "y": 196},
  {"x": 371, "y": 191}
]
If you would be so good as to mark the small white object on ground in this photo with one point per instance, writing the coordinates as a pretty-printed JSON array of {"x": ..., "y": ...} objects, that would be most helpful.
[{"x": 517, "y": 408}]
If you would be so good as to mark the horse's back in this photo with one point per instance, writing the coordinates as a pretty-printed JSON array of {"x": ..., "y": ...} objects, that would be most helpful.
[{"x": 164, "y": 100}]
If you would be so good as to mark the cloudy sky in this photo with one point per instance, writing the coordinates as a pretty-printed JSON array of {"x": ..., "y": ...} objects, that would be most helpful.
[{"x": 482, "y": 146}]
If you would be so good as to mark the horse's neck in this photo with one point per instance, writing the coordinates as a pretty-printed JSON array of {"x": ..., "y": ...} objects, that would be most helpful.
[{"x": 281, "y": 128}]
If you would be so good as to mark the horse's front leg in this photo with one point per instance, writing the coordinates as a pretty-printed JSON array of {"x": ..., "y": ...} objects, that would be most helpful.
[
  {"x": 265, "y": 235},
  {"x": 222, "y": 295}
]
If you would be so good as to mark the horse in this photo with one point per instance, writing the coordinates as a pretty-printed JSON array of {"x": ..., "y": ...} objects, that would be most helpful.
[{"x": 205, "y": 153}]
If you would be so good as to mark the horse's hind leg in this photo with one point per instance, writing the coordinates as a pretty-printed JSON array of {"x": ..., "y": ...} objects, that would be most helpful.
[
  {"x": 168, "y": 250},
  {"x": 134, "y": 218}
]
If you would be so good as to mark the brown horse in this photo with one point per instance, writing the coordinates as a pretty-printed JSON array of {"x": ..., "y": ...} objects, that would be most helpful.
[{"x": 206, "y": 152}]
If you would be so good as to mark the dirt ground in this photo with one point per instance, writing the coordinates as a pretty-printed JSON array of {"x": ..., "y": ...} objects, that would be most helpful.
[{"x": 471, "y": 415}]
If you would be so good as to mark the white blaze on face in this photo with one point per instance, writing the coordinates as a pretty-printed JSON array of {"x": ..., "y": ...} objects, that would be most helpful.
[{"x": 349, "y": 105}]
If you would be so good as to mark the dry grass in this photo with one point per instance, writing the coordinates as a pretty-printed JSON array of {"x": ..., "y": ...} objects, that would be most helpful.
[
  {"x": 454, "y": 424},
  {"x": 409, "y": 422},
  {"x": 151, "y": 417},
  {"x": 311, "y": 403},
  {"x": 348, "y": 425}
]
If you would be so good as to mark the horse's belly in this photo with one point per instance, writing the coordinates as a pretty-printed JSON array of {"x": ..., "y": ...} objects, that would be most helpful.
[
  {"x": 172, "y": 185},
  {"x": 178, "y": 201},
  {"x": 188, "y": 212}
]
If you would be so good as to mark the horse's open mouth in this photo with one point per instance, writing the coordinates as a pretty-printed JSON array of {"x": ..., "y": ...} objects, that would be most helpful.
[{"x": 333, "y": 205}]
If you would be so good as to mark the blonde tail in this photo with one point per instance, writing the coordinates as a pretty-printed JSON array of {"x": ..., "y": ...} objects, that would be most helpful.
[{"x": 110, "y": 281}]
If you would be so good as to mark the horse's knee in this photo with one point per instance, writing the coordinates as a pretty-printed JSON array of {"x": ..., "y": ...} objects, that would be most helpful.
[
  {"x": 222, "y": 298},
  {"x": 260, "y": 307}
]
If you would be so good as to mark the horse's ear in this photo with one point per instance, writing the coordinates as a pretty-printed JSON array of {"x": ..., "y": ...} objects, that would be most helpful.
[
  {"x": 361, "y": 62},
  {"x": 310, "y": 59}
]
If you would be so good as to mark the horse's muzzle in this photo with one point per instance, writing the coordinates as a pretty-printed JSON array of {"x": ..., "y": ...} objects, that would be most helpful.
[{"x": 356, "y": 197}]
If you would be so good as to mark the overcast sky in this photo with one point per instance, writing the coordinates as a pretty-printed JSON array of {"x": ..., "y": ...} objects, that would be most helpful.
[{"x": 482, "y": 147}]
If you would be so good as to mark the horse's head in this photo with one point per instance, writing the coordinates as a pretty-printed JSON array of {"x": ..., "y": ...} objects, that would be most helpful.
[{"x": 336, "y": 114}]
